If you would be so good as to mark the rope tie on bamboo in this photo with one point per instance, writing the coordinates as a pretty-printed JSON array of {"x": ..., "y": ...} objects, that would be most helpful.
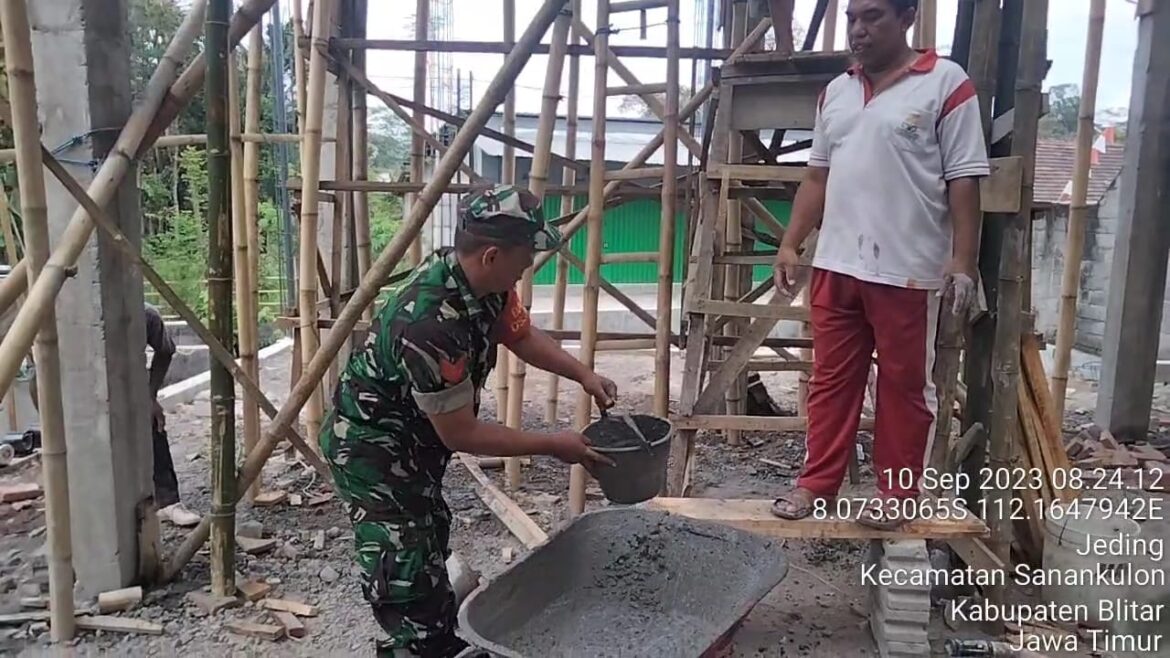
[{"x": 608, "y": 29}]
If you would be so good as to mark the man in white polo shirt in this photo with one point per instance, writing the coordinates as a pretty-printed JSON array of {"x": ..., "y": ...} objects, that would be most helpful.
[{"x": 893, "y": 185}]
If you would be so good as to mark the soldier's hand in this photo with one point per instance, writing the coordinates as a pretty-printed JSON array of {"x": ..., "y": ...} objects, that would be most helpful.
[
  {"x": 603, "y": 390},
  {"x": 574, "y": 448}
]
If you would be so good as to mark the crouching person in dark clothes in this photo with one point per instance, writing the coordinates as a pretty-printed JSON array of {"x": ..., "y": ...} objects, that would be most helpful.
[
  {"x": 166, "y": 482},
  {"x": 410, "y": 396}
]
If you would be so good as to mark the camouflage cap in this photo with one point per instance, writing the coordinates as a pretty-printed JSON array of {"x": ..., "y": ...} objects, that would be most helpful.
[{"x": 508, "y": 214}]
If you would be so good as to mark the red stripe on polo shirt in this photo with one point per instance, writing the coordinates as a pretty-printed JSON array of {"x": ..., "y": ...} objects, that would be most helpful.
[{"x": 963, "y": 93}]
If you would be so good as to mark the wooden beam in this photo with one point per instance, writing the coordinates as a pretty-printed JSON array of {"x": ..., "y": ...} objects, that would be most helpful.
[
  {"x": 721, "y": 307},
  {"x": 756, "y": 516},
  {"x": 641, "y": 173},
  {"x": 518, "y": 523},
  {"x": 637, "y": 90},
  {"x": 751, "y": 423},
  {"x": 636, "y": 5},
  {"x": 768, "y": 365},
  {"x": 614, "y": 292},
  {"x": 1000, "y": 192},
  {"x": 770, "y": 173},
  {"x": 629, "y": 257},
  {"x": 624, "y": 345},
  {"x": 498, "y": 48}
]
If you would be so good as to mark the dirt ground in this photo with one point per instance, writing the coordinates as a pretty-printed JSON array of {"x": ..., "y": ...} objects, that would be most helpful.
[{"x": 816, "y": 610}]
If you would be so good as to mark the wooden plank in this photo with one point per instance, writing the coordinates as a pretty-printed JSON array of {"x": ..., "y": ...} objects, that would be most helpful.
[
  {"x": 756, "y": 516},
  {"x": 751, "y": 423},
  {"x": 629, "y": 257},
  {"x": 769, "y": 365},
  {"x": 976, "y": 554},
  {"x": 270, "y": 632},
  {"x": 757, "y": 208},
  {"x": 518, "y": 523},
  {"x": 255, "y": 546},
  {"x": 636, "y": 173},
  {"x": 770, "y": 311},
  {"x": 289, "y": 622},
  {"x": 295, "y": 607},
  {"x": 624, "y": 345},
  {"x": 111, "y": 624},
  {"x": 768, "y": 173},
  {"x": 1031, "y": 443},
  {"x": 1000, "y": 192},
  {"x": 19, "y": 618},
  {"x": 253, "y": 590}
]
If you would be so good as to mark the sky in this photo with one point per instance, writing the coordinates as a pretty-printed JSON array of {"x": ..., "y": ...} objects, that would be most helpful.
[{"x": 481, "y": 20}]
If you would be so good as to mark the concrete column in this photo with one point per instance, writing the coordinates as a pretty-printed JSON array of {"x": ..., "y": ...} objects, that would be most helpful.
[
  {"x": 1138, "y": 280},
  {"x": 81, "y": 51}
]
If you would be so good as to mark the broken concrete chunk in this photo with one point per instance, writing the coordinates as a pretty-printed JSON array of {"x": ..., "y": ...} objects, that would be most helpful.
[
  {"x": 270, "y": 498},
  {"x": 319, "y": 540},
  {"x": 268, "y": 632},
  {"x": 24, "y": 491},
  {"x": 329, "y": 574},
  {"x": 250, "y": 529}
]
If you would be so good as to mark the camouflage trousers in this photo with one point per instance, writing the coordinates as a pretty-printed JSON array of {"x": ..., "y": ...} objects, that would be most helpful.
[{"x": 402, "y": 553}]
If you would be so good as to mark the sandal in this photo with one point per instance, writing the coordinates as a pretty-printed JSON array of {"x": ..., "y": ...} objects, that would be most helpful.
[
  {"x": 879, "y": 514},
  {"x": 795, "y": 505}
]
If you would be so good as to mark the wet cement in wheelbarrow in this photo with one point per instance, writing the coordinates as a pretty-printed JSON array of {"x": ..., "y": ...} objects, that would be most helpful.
[{"x": 649, "y": 594}]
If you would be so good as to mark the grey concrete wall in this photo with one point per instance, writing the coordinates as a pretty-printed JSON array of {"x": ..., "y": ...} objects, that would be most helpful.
[
  {"x": 82, "y": 58},
  {"x": 1049, "y": 233}
]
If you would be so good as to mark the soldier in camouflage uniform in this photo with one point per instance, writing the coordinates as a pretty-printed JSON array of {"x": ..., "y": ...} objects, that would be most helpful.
[{"x": 409, "y": 398}]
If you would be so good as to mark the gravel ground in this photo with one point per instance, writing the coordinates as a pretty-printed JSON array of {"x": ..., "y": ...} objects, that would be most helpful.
[{"x": 812, "y": 613}]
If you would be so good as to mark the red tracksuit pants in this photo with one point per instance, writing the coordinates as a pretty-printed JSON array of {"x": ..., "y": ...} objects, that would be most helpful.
[{"x": 850, "y": 318}]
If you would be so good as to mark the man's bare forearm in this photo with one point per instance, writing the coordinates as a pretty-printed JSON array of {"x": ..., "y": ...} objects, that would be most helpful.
[
  {"x": 159, "y": 365},
  {"x": 807, "y": 208},
  {"x": 541, "y": 351},
  {"x": 963, "y": 199}
]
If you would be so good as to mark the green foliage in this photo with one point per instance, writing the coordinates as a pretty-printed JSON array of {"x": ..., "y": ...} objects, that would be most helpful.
[
  {"x": 1064, "y": 103},
  {"x": 385, "y": 220}
]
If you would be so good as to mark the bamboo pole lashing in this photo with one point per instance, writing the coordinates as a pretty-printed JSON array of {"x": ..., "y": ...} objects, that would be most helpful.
[
  {"x": 541, "y": 162},
  {"x": 22, "y": 96},
  {"x": 310, "y": 207},
  {"x": 593, "y": 243},
  {"x": 381, "y": 268},
  {"x": 569, "y": 176},
  {"x": 221, "y": 92},
  {"x": 1074, "y": 242},
  {"x": 248, "y": 289}
]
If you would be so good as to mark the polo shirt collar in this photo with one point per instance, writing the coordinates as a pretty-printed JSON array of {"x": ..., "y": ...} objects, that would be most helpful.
[
  {"x": 458, "y": 280},
  {"x": 923, "y": 64}
]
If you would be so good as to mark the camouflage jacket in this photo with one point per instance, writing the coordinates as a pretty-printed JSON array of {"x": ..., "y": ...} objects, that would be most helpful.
[{"x": 430, "y": 350}]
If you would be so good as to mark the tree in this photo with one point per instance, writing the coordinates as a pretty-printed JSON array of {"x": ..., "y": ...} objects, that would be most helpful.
[{"x": 1064, "y": 103}]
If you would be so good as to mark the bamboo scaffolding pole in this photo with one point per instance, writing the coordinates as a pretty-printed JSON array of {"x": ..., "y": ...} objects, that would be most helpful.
[
  {"x": 570, "y": 229},
  {"x": 71, "y": 243},
  {"x": 13, "y": 286},
  {"x": 383, "y": 267},
  {"x": 829, "y": 37},
  {"x": 538, "y": 176},
  {"x": 310, "y": 209},
  {"x": 593, "y": 243},
  {"x": 507, "y": 177},
  {"x": 247, "y": 290},
  {"x": 1074, "y": 243},
  {"x": 22, "y": 95},
  {"x": 569, "y": 177},
  {"x": 1006, "y": 353},
  {"x": 733, "y": 287},
  {"x": 361, "y": 152},
  {"x": 666, "y": 227},
  {"x": 219, "y": 295},
  {"x": 343, "y": 200},
  {"x": 300, "y": 77},
  {"x": 422, "y": 20},
  {"x": 926, "y": 25},
  {"x": 12, "y": 258}
]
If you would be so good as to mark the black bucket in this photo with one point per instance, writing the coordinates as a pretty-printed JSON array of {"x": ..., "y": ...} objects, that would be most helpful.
[{"x": 640, "y": 472}]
